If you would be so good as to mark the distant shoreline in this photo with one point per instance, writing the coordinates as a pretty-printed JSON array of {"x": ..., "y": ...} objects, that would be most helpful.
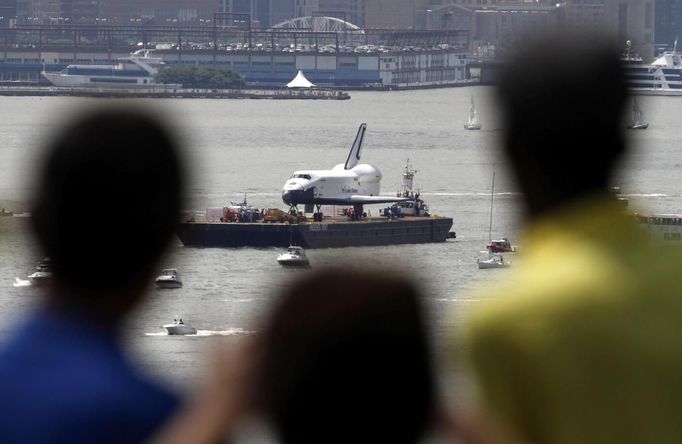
[
  {"x": 248, "y": 92},
  {"x": 172, "y": 93}
]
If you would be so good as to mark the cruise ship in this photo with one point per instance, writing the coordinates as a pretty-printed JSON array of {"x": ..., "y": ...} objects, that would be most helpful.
[
  {"x": 663, "y": 77},
  {"x": 136, "y": 70}
]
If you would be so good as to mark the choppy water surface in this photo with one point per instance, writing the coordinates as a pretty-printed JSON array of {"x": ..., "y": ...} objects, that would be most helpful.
[{"x": 241, "y": 146}]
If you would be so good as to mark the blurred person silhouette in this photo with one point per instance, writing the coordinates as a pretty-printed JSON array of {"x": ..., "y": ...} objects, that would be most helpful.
[
  {"x": 106, "y": 202},
  {"x": 583, "y": 345},
  {"x": 345, "y": 358}
]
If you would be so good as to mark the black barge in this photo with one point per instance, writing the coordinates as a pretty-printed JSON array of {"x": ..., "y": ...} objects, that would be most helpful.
[{"x": 330, "y": 233}]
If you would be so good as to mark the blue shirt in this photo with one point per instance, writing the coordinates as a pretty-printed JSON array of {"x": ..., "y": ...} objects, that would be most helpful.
[{"x": 64, "y": 380}]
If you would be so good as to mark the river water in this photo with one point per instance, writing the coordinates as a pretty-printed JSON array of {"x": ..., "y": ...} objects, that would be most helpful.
[{"x": 237, "y": 147}]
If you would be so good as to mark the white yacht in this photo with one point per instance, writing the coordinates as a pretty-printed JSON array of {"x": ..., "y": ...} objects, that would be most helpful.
[
  {"x": 473, "y": 122},
  {"x": 169, "y": 278},
  {"x": 493, "y": 261},
  {"x": 136, "y": 70},
  {"x": 294, "y": 257},
  {"x": 663, "y": 77},
  {"x": 178, "y": 327}
]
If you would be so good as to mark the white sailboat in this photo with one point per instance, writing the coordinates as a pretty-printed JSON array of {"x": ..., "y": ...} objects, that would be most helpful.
[
  {"x": 638, "y": 119},
  {"x": 494, "y": 260},
  {"x": 472, "y": 123}
]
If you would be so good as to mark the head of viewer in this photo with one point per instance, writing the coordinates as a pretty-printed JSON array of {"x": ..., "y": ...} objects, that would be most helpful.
[
  {"x": 562, "y": 104},
  {"x": 107, "y": 200},
  {"x": 346, "y": 359}
]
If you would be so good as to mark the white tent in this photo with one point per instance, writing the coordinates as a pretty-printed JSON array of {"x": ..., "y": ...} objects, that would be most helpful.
[{"x": 300, "y": 81}]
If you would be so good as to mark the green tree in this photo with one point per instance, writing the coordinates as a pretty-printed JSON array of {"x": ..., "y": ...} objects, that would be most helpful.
[{"x": 196, "y": 77}]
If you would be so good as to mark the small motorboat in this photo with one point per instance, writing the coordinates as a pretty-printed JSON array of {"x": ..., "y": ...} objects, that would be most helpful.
[
  {"x": 501, "y": 246},
  {"x": 169, "y": 278},
  {"x": 43, "y": 273},
  {"x": 294, "y": 257},
  {"x": 493, "y": 261},
  {"x": 4, "y": 212},
  {"x": 178, "y": 327}
]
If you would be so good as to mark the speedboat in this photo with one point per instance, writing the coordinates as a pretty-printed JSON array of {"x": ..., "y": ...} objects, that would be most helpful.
[
  {"x": 178, "y": 327},
  {"x": 294, "y": 257},
  {"x": 493, "y": 261},
  {"x": 43, "y": 273},
  {"x": 4, "y": 212},
  {"x": 169, "y": 278}
]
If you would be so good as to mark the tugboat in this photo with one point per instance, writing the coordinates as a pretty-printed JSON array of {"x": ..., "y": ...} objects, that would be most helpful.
[
  {"x": 169, "y": 278},
  {"x": 43, "y": 273},
  {"x": 294, "y": 257},
  {"x": 178, "y": 327},
  {"x": 413, "y": 207}
]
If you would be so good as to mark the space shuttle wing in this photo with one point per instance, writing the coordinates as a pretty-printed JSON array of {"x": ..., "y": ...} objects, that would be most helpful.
[{"x": 360, "y": 200}]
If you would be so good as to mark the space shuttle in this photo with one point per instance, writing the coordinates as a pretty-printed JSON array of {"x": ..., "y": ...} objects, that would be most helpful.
[{"x": 349, "y": 183}]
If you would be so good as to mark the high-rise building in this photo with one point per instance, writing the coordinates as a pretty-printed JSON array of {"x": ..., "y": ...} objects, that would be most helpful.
[
  {"x": 350, "y": 10},
  {"x": 668, "y": 24},
  {"x": 287, "y": 9},
  {"x": 399, "y": 14},
  {"x": 80, "y": 11}
]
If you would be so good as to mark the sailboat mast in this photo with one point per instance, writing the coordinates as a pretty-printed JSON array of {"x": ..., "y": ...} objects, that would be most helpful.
[{"x": 490, "y": 228}]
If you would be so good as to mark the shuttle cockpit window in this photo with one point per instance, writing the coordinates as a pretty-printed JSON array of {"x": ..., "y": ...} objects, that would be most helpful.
[{"x": 300, "y": 176}]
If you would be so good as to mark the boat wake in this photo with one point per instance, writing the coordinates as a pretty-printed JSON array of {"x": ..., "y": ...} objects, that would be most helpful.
[
  {"x": 204, "y": 333},
  {"x": 645, "y": 195},
  {"x": 21, "y": 282},
  {"x": 229, "y": 332},
  {"x": 464, "y": 194}
]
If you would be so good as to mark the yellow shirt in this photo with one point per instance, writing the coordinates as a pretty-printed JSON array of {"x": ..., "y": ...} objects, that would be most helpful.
[{"x": 585, "y": 346}]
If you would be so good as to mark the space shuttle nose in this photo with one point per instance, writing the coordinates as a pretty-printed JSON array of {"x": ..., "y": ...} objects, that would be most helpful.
[{"x": 286, "y": 197}]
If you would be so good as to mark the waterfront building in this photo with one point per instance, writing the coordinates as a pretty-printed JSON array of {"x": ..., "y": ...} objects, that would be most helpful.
[
  {"x": 270, "y": 58},
  {"x": 506, "y": 24}
]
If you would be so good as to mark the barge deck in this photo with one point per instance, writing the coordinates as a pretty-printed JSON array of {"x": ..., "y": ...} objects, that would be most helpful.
[{"x": 330, "y": 233}]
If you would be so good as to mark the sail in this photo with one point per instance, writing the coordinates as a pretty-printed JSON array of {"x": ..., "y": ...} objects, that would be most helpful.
[
  {"x": 638, "y": 119},
  {"x": 473, "y": 115}
]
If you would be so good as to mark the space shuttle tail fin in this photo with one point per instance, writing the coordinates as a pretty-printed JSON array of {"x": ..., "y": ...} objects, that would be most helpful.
[{"x": 356, "y": 149}]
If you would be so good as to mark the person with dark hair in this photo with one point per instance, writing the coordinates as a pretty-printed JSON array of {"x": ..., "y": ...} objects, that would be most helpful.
[
  {"x": 106, "y": 204},
  {"x": 342, "y": 357},
  {"x": 585, "y": 349},
  {"x": 346, "y": 358}
]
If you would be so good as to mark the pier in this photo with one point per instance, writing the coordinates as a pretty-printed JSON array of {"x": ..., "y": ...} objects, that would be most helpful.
[{"x": 173, "y": 93}]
